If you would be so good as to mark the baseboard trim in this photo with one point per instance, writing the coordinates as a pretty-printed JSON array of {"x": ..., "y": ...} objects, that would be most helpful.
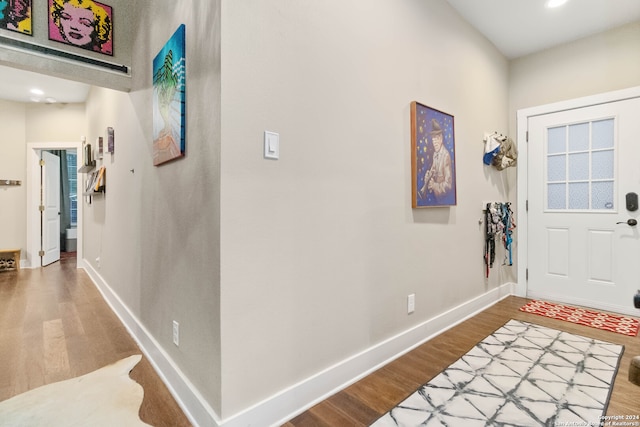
[
  {"x": 192, "y": 403},
  {"x": 281, "y": 407},
  {"x": 285, "y": 405}
]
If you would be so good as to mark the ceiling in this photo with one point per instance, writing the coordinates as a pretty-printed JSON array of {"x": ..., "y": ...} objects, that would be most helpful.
[
  {"x": 515, "y": 27},
  {"x": 16, "y": 85},
  {"x": 521, "y": 27}
]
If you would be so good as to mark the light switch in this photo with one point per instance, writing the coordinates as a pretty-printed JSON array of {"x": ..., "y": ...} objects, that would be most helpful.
[{"x": 271, "y": 145}]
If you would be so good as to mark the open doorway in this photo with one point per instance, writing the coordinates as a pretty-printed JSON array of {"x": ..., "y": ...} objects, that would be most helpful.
[
  {"x": 67, "y": 201},
  {"x": 34, "y": 223}
]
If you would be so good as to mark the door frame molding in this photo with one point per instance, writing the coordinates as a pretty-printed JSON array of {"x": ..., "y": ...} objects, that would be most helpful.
[
  {"x": 523, "y": 117},
  {"x": 33, "y": 200}
]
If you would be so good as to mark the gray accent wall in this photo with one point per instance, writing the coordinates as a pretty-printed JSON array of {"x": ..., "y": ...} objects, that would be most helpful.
[{"x": 157, "y": 230}]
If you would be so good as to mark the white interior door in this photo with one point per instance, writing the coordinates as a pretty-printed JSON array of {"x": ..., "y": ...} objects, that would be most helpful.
[
  {"x": 581, "y": 164},
  {"x": 51, "y": 213}
]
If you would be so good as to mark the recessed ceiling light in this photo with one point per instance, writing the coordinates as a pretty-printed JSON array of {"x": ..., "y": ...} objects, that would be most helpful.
[
  {"x": 35, "y": 99},
  {"x": 50, "y": 100},
  {"x": 37, "y": 92},
  {"x": 555, "y": 3}
]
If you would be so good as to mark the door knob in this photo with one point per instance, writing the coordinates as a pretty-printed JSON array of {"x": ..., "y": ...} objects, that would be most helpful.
[{"x": 631, "y": 222}]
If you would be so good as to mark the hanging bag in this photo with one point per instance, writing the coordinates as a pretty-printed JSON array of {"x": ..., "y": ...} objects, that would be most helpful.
[{"x": 506, "y": 156}]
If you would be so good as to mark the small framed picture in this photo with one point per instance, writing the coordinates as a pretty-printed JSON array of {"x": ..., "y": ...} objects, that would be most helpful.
[
  {"x": 100, "y": 147},
  {"x": 110, "y": 140},
  {"x": 15, "y": 15},
  {"x": 433, "y": 160}
]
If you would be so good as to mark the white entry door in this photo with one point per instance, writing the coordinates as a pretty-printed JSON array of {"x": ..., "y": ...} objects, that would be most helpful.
[
  {"x": 51, "y": 213},
  {"x": 582, "y": 163}
]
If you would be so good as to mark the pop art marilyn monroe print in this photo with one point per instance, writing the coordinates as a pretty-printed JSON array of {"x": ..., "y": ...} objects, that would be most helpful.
[
  {"x": 83, "y": 23},
  {"x": 15, "y": 15}
]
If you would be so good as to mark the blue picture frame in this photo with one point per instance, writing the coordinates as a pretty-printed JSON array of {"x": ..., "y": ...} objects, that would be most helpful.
[{"x": 433, "y": 164}]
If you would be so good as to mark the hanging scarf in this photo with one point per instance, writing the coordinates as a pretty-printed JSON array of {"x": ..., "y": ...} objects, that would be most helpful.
[
  {"x": 493, "y": 226},
  {"x": 508, "y": 226},
  {"x": 498, "y": 220}
]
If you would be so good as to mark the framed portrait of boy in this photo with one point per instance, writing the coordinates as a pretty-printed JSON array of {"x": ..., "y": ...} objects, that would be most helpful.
[
  {"x": 86, "y": 24},
  {"x": 433, "y": 164}
]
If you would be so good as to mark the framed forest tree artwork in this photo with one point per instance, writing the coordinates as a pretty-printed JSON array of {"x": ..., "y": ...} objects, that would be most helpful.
[{"x": 169, "y": 100}]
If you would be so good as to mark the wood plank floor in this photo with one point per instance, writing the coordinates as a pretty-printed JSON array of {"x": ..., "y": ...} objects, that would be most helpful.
[
  {"x": 55, "y": 325},
  {"x": 368, "y": 399}
]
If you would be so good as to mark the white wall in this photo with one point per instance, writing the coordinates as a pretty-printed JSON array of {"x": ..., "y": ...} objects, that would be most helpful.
[
  {"x": 21, "y": 124},
  {"x": 601, "y": 63},
  {"x": 112, "y": 220},
  {"x": 55, "y": 122},
  {"x": 12, "y": 160},
  {"x": 321, "y": 248}
]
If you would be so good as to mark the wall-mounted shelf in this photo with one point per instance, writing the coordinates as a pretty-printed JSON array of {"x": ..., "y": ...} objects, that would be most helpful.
[
  {"x": 9, "y": 182},
  {"x": 87, "y": 168},
  {"x": 96, "y": 182},
  {"x": 97, "y": 192}
]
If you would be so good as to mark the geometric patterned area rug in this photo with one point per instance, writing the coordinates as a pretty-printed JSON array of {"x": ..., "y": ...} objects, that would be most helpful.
[
  {"x": 521, "y": 375},
  {"x": 581, "y": 316}
]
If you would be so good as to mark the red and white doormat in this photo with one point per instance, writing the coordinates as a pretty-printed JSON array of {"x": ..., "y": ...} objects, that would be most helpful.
[{"x": 581, "y": 316}]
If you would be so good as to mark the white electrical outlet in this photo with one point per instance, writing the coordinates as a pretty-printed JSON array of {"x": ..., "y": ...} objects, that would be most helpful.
[
  {"x": 176, "y": 333},
  {"x": 411, "y": 303}
]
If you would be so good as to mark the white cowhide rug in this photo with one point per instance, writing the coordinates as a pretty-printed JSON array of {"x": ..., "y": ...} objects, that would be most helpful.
[{"x": 106, "y": 397}]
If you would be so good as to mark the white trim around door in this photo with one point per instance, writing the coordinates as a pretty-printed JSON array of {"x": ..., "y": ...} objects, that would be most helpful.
[
  {"x": 523, "y": 117},
  {"x": 33, "y": 200}
]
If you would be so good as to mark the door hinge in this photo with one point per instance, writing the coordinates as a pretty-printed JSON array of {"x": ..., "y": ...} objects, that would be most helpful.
[
  {"x": 41, "y": 162},
  {"x": 526, "y": 274},
  {"x": 526, "y": 205},
  {"x": 41, "y": 208},
  {"x": 41, "y": 253},
  {"x": 527, "y": 136}
]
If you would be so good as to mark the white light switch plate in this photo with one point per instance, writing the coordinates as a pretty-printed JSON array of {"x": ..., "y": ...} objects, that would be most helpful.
[
  {"x": 411, "y": 303},
  {"x": 271, "y": 145}
]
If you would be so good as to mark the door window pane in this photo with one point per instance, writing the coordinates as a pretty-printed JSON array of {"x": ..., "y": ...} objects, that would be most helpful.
[
  {"x": 557, "y": 168},
  {"x": 602, "y": 194},
  {"x": 557, "y": 196},
  {"x": 579, "y": 137},
  {"x": 603, "y": 134},
  {"x": 557, "y": 140},
  {"x": 580, "y": 166},
  {"x": 602, "y": 165},
  {"x": 579, "y": 195}
]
